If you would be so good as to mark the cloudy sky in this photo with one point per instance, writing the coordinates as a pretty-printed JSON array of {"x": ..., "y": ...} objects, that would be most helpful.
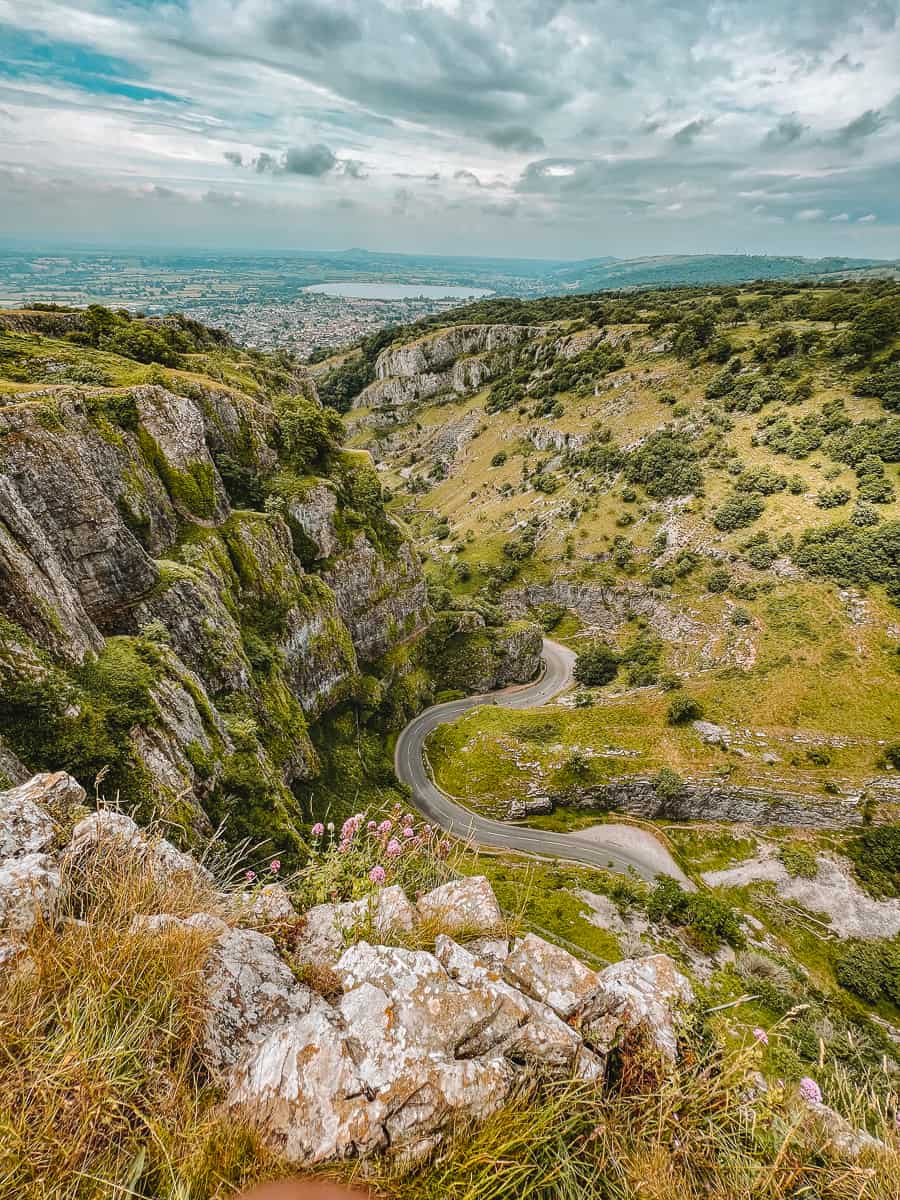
[{"x": 551, "y": 128}]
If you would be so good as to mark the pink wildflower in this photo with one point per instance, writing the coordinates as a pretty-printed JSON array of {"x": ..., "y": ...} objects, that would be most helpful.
[
  {"x": 408, "y": 832},
  {"x": 393, "y": 848},
  {"x": 427, "y": 831},
  {"x": 408, "y": 819},
  {"x": 251, "y": 875},
  {"x": 349, "y": 828},
  {"x": 444, "y": 848},
  {"x": 343, "y": 847},
  {"x": 761, "y": 1035},
  {"x": 810, "y": 1090},
  {"x": 318, "y": 829},
  {"x": 371, "y": 826},
  {"x": 385, "y": 827},
  {"x": 377, "y": 875},
  {"x": 275, "y": 866}
]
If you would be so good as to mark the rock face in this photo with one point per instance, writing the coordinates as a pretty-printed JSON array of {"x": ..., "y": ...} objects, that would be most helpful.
[
  {"x": 711, "y": 800},
  {"x": 468, "y": 655},
  {"x": 118, "y": 528},
  {"x": 407, "y": 1042},
  {"x": 452, "y": 362}
]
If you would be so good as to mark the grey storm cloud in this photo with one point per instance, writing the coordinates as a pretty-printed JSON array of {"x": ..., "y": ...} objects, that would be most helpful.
[
  {"x": 861, "y": 127},
  {"x": 313, "y": 28},
  {"x": 515, "y": 137},
  {"x": 309, "y": 160},
  {"x": 687, "y": 133},
  {"x": 785, "y": 133},
  {"x": 313, "y": 161}
]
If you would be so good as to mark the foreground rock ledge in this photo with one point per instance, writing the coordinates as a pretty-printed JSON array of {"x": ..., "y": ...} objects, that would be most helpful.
[{"x": 407, "y": 1041}]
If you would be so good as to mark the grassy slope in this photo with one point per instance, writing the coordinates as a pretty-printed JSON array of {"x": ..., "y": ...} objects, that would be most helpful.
[{"x": 814, "y": 673}]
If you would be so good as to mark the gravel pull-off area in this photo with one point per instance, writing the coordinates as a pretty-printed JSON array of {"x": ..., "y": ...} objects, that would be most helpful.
[
  {"x": 833, "y": 891},
  {"x": 637, "y": 841}
]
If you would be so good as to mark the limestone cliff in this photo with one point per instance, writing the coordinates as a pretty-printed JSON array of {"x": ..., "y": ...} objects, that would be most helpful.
[
  {"x": 452, "y": 362},
  {"x": 191, "y": 573}
]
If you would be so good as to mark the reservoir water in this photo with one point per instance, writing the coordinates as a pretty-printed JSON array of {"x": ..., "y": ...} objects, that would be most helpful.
[{"x": 397, "y": 291}]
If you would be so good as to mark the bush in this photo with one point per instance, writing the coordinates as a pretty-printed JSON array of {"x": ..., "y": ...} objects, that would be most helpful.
[
  {"x": 832, "y": 497},
  {"x": 597, "y": 665},
  {"x": 666, "y": 465},
  {"x": 876, "y": 857},
  {"x": 683, "y": 709},
  {"x": 718, "y": 580},
  {"x": 799, "y": 861},
  {"x": 307, "y": 431},
  {"x": 709, "y": 919},
  {"x": 668, "y": 785},
  {"x": 870, "y": 969},
  {"x": 499, "y": 459},
  {"x": 737, "y": 511}
]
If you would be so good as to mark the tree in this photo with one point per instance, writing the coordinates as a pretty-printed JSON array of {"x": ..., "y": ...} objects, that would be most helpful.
[
  {"x": 683, "y": 709},
  {"x": 597, "y": 665}
]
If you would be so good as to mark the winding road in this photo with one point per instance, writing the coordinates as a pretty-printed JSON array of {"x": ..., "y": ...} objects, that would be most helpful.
[{"x": 614, "y": 847}]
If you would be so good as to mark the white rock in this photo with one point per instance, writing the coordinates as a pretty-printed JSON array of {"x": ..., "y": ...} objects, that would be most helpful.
[
  {"x": 462, "y": 904},
  {"x": 644, "y": 994},
  {"x": 326, "y": 926},
  {"x": 107, "y": 827},
  {"x": 834, "y": 1133},
  {"x": 25, "y": 825},
  {"x": 550, "y": 975},
  {"x": 542, "y": 1036},
  {"x": 270, "y": 904},
  {"x": 251, "y": 992},
  {"x": 493, "y": 952},
  {"x": 28, "y": 888},
  {"x": 303, "y": 1091},
  {"x": 434, "y": 1013}
]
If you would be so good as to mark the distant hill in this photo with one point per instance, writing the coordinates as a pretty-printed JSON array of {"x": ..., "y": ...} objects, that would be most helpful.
[{"x": 660, "y": 270}]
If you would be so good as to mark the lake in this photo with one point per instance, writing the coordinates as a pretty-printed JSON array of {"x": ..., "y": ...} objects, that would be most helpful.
[{"x": 397, "y": 291}]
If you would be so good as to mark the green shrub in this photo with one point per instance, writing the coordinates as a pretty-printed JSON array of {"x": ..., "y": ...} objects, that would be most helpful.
[
  {"x": 799, "y": 861},
  {"x": 666, "y": 465},
  {"x": 718, "y": 580},
  {"x": 737, "y": 511},
  {"x": 683, "y": 709},
  {"x": 499, "y": 459},
  {"x": 876, "y": 858},
  {"x": 597, "y": 665},
  {"x": 870, "y": 969}
]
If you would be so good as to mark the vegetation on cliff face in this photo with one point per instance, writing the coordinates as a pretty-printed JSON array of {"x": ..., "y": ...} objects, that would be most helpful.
[{"x": 172, "y": 510}]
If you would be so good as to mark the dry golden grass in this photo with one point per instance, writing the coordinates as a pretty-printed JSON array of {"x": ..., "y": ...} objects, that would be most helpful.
[{"x": 101, "y": 1089}]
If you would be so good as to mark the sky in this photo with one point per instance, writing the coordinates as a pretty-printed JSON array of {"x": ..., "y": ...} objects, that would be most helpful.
[{"x": 538, "y": 128}]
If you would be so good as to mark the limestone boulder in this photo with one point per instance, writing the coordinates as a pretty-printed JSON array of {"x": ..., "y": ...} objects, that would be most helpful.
[
  {"x": 645, "y": 995},
  {"x": 551, "y": 976},
  {"x": 250, "y": 993},
  {"x": 327, "y": 926},
  {"x": 25, "y": 822},
  {"x": 462, "y": 904},
  {"x": 29, "y": 886}
]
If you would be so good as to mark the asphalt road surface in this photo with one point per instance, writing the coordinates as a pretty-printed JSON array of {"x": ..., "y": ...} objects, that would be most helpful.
[{"x": 439, "y": 809}]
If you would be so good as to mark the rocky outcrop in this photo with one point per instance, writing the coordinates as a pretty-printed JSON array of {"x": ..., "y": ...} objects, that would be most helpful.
[
  {"x": 381, "y": 602},
  {"x": 406, "y": 1043},
  {"x": 468, "y": 655},
  {"x": 115, "y": 524},
  {"x": 712, "y": 800},
  {"x": 452, "y": 362}
]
